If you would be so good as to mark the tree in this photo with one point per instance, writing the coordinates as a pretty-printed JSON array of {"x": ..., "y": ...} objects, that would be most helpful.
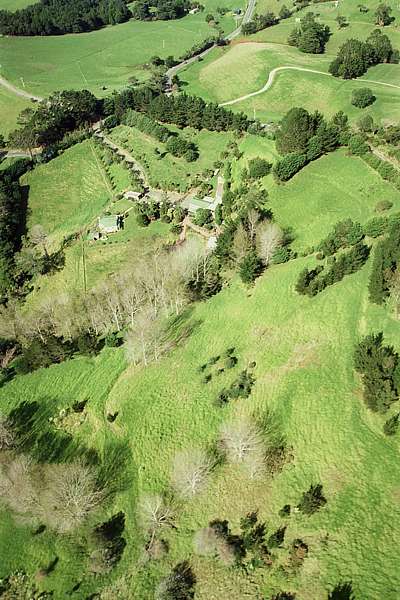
[
  {"x": 7, "y": 437},
  {"x": 250, "y": 267},
  {"x": 241, "y": 243},
  {"x": 381, "y": 45},
  {"x": 242, "y": 442},
  {"x": 190, "y": 471},
  {"x": 24, "y": 139},
  {"x": 357, "y": 145},
  {"x": 382, "y": 15},
  {"x": 362, "y": 97},
  {"x": 311, "y": 36},
  {"x": 312, "y": 500},
  {"x": 215, "y": 540},
  {"x": 296, "y": 129},
  {"x": 366, "y": 124},
  {"x": 179, "y": 584},
  {"x": 71, "y": 495},
  {"x": 269, "y": 238},
  {"x": 154, "y": 512},
  {"x": 285, "y": 12}
]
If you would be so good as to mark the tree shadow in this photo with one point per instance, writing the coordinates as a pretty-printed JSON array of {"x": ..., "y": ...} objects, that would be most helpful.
[{"x": 343, "y": 591}]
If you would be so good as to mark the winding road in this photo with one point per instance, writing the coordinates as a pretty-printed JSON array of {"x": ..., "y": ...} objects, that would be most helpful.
[{"x": 274, "y": 73}]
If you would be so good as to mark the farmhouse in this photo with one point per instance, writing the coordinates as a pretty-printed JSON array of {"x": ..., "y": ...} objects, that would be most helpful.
[
  {"x": 193, "y": 204},
  {"x": 109, "y": 224}
]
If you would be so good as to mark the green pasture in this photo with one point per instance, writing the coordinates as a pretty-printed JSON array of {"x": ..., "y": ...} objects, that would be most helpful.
[
  {"x": 104, "y": 58},
  {"x": 333, "y": 188},
  {"x": 10, "y": 107},
  {"x": 67, "y": 193},
  {"x": 164, "y": 170},
  {"x": 324, "y": 93},
  {"x": 15, "y": 4}
]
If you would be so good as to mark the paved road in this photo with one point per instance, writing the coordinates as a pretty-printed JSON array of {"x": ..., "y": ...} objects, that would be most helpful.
[
  {"x": 246, "y": 18},
  {"x": 274, "y": 73},
  {"x": 17, "y": 91}
]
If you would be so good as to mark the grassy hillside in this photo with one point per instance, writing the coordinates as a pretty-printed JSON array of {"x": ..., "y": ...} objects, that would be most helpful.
[
  {"x": 305, "y": 382},
  {"x": 10, "y": 107},
  {"x": 67, "y": 193}
]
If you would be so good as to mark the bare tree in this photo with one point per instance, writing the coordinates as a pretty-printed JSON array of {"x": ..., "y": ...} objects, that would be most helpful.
[
  {"x": 145, "y": 340},
  {"x": 18, "y": 490},
  {"x": 155, "y": 513},
  {"x": 190, "y": 471},
  {"x": 7, "y": 437},
  {"x": 269, "y": 238},
  {"x": 72, "y": 494},
  {"x": 241, "y": 243},
  {"x": 39, "y": 237},
  {"x": 253, "y": 217},
  {"x": 208, "y": 542},
  {"x": 243, "y": 444}
]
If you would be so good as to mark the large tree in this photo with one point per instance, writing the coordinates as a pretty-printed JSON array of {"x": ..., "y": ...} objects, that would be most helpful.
[{"x": 296, "y": 129}]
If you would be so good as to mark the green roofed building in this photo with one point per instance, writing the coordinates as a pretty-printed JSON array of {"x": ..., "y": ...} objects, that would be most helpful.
[{"x": 108, "y": 224}]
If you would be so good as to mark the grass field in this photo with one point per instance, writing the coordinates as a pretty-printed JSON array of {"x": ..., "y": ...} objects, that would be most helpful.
[
  {"x": 10, "y": 107},
  {"x": 15, "y": 4},
  {"x": 66, "y": 194},
  {"x": 170, "y": 172}
]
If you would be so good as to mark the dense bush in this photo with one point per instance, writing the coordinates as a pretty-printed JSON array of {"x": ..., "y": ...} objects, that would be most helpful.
[
  {"x": 258, "y": 167},
  {"x": 179, "y": 584},
  {"x": 163, "y": 10},
  {"x": 250, "y": 267},
  {"x": 180, "y": 147},
  {"x": 391, "y": 426},
  {"x": 285, "y": 168},
  {"x": 240, "y": 388},
  {"x": 55, "y": 17},
  {"x": 377, "y": 365},
  {"x": 362, "y": 97}
]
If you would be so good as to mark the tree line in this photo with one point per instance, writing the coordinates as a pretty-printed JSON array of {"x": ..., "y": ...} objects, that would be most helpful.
[{"x": 56, "y": 17}]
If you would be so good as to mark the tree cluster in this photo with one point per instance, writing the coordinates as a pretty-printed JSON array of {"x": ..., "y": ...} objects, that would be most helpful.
[
  {"x": 259, "y": 22},
  {"x": 355, "y": 56},
  {"x": 311, "y": 36},
  {"x": 378, "y": 366},
  {"x": 160, "y": 10},
  {"x": 146, "y": 125},
  {"x": 56, "y": 17},
  {"x": 303, "y": 137},
  {"x": 345, "y": 233},
  {"x": 60, "y": 113},
  {"x": 313, "y": 281}
]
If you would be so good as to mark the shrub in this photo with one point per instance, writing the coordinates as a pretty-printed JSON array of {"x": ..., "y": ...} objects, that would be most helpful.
[
  {"x": 383, "y": 205},
  {"x": 259, "y": 167},
  {"x": 312, "y": 500},
  {"x": 250, "y": 267},
  {"x": 392, "y": 425},
  {"x": 362, "y": 97},
  {"x": 179, "y": 584},
  {"x": 357, "y": 145}
]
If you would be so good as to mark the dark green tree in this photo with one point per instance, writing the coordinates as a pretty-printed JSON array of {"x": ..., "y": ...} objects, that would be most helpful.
[
  {"x": 250, "y": 267},
  {"x": 362, "y": 97}
]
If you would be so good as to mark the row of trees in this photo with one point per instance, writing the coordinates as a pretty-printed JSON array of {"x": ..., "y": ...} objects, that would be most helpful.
[
  {"x": 55, "y": 17},
  {"x": 259, "y": 22},
  {"x": 183, "y": 110},
  {"x": 355, "y": 56},
  {"x": 313, "y": 281}
]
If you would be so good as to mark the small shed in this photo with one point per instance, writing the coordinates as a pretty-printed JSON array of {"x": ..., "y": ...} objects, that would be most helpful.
[
  {"x": 133, "y": 195},
  {"x": 109, "y": 224}
]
